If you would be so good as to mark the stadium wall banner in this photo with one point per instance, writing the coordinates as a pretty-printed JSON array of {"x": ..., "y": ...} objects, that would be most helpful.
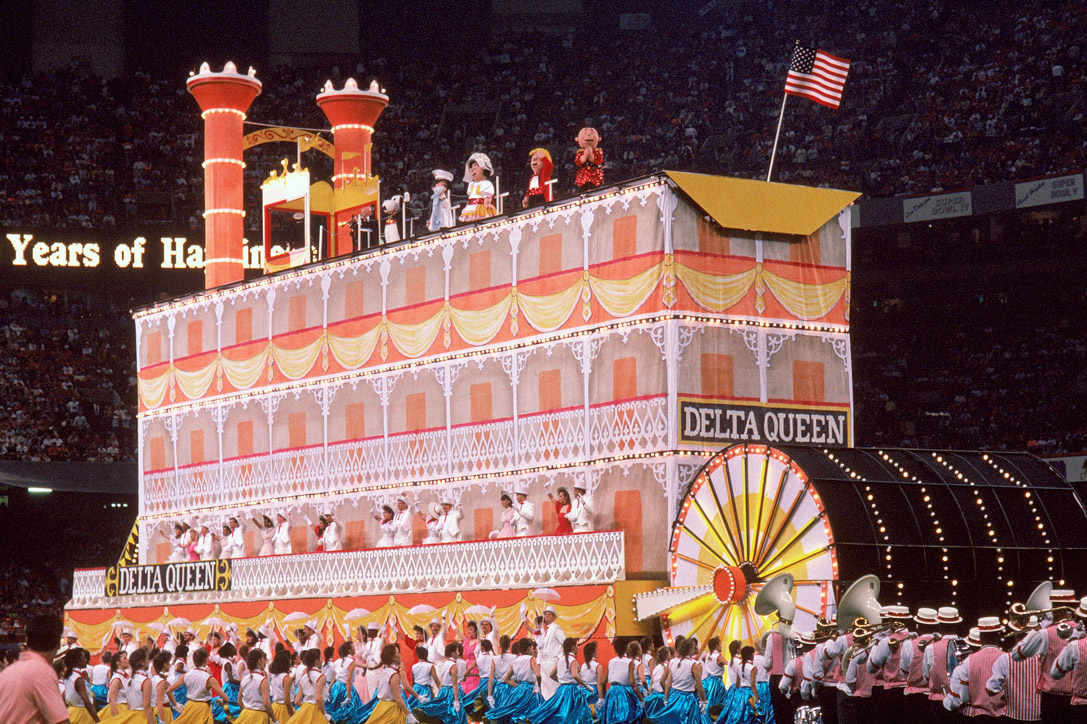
[
  {"x": 189, "y": 577},
  {"x": 933, "y": 208},
  {"x": 1072, "y": 468},
  {"x": 1049, "y": 191},
  {"x": 720, "y": 422}
]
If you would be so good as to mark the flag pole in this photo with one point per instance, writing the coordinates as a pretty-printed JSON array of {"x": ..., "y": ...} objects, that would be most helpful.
[{"x": 777, "y": 136}]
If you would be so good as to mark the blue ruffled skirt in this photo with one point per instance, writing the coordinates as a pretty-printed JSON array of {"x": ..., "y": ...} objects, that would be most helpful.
[
  {"x": 715, "y": 694},
  {"x": 439, "y": 710},
  {"x": 766, "y": 708},
  {"x": 621, "y": 705},
  {"x": 682, "y": 708},
  {"x": 475, "y": 700},
  {"x": 344, "y": 704},
  {"x": 101, "y": 696},
  {"x": 230, "y": 688},
  {"x": 217, "y": 712},
  {"x": 181, "y": 695},
  {"x": 567, "y": 704},
  {"x": 736, "y": 709},
  {"x": 516, "y": 704}
]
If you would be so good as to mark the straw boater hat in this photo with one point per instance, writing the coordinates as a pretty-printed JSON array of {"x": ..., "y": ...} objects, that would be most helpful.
[
  {"x": 926, "y": 617},
  {"x": 1062, "y": 597},
  {"x": 898, "y": 613},
  {"x": 948, "y": 614},
  {"x": 990, "y": 625},
  {"x": 972, "y": 638},
  {"x": 1081, "y": 610}
]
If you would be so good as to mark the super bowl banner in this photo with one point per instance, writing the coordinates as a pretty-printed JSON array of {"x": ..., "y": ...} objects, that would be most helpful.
[
  {"x": 709, "y": 422},
  {"x": 169, "y": 578}
]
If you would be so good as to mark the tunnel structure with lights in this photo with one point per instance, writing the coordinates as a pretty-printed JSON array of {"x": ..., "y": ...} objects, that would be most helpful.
[{"x": 972, "y": 529}]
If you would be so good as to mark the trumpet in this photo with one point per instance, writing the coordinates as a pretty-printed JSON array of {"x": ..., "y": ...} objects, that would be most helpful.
[{"x": 1021, "y": 614}]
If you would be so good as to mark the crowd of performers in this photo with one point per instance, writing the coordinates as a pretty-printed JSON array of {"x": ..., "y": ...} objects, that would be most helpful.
[
  {"x": 194, "y": 540},
  {"x": 1032, "y": 669}
]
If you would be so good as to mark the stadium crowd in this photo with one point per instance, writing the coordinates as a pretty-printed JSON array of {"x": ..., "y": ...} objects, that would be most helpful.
[
  {"x": 67, "y": 377},
  {"x": 922, "y": 111}
]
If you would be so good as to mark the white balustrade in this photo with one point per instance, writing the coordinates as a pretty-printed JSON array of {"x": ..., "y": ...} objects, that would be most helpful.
[
  {"x": 544, "y": 439},
  {"x": 575, "y": 559}
]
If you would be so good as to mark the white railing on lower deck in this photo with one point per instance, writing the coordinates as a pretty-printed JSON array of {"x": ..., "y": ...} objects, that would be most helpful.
[
  {"x": 575, "y": 559},
  {"x": 552, "y": 438}
]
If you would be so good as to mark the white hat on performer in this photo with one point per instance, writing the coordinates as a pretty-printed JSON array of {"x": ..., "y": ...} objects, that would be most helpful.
[
  {"x": 311, "y": 624},
  {"x": 990, "y": 624},
  {"x": 552, "y": 611},
  {"x": 1081, "y": 611},
  {"x": 948, "y": 614},
  {"x": 482, "y": 160},
  {"x": 926, "y": 616},
  {"x": 434, "y": 622},
  {"x": 435, "y": 510},
  {"x": 520, "y": 489},
  {"x": 191, "y": 631},
  {"x": 1062, "y": 596},
  {"x": 580, "y": 485},
  {"x": 805, "y": 639},
  {"x": 974, "y": 637},
  {"x": 440, "y": 175},
  {"x": 898, "y": 613},
  {"x": 404, "y": 500},
  {"x": 69, "y": 633},
  {"x": 265, "y": 632},
  {"x": 445, "y": 497}
]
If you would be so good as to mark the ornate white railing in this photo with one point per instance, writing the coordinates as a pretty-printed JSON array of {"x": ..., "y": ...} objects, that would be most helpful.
[
  {"x": 551, "y": 438},
  {"x": 577, "y": 559}
]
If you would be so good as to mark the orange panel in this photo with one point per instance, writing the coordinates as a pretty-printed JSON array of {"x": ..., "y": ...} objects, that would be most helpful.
[
  {"x": 484, "y": 522},
  {"x": 300, "y": 538},
  {"x": 624, "y": 236},
  {"x": 352, "y": 299},
  {"x": 296, "y": 429},
  {"x": 481, "y": 402},
  {"x": 415, "y": 286},
  {"x": 479, "y": 269},
  {"x": 162, "y": 551},
  {"x": 243, "y": 326},
  {"x": 195, "y": 333},
  {"x": 157, "y": 453},
  {"x": 355, "y": 420},
  {"x": 196, "y": 446},
  {"x": 711, "y": 238},
  {"x": 154, "y": 348},
  {"x": 809, "y": 381},
  {"x": 628, "y": 518},
  {"x": 415, "y": 410},
  {"x": 550, "y": 254},
  {"x": 245, "y": 438},
  {"x": 354, "y": 534},
  {"x": 296, "y": 318},
  {"x": 624, "y": 378},
  {"x": 717, "y": 375},
  {"x": 805, "y": 252},
  {"x": 550, "y": 517},
  {"x": 550, "y": 382},
  {"x": 418, "y": 530}
]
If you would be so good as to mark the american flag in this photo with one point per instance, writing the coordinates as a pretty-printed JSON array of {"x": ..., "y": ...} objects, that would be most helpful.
[{"x": 817, "y": 75}]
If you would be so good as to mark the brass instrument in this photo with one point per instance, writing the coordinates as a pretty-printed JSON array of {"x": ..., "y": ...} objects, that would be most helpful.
[{"x": 1038, "y": 603}]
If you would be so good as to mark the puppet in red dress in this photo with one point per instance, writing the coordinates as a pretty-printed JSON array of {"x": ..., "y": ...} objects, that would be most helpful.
[{"x": 589, "y": 160}]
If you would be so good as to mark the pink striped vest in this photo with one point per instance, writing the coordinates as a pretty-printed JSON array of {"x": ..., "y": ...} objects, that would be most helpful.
[
  {"x": 938, "y": 675},
  {"x": 865, "y": 681},
  {"x": 1021, "y": 690},
  {"x": 891, "y": 673},
  {"x": 775, "y": 645},
  {"x": 981, "y": 701},
  {"x": 915, "y": 678},
  {"x": 1079, "y": 675},
  {"x": 1046, "y": 683}
]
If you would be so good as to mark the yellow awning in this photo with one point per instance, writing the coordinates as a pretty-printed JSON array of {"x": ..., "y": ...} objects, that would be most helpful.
[{"x": 777, "y": 208}]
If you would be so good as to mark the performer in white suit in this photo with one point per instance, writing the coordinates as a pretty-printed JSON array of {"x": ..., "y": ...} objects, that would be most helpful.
[
  {"x": 283, "y": 534},
  {"x": 449, "y": 522},
  {"x": 525, "y": 512},
  {"x": 550, "y": 642},
  {"x": 402, "y": 528},
  {"x": 333, "y": 534},
  {"x": 581, "y": 511}
]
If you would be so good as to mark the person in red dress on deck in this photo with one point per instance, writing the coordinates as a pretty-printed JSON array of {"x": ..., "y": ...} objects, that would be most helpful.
[
  {"x": 562, "y": 507},
  {"x": 589, "y": 160}
]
